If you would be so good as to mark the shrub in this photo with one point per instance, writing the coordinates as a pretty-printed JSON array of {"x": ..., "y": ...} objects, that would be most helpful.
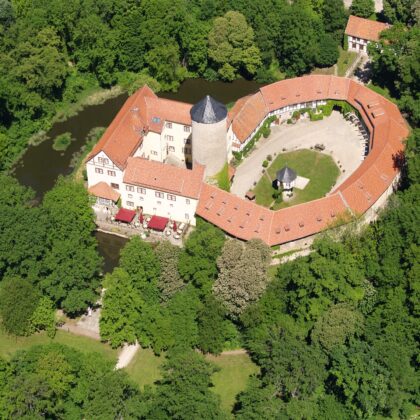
[
  {"x": 265, "y": 164},
  {"x": 289, "y": 121},
  {"x": 269, "y": 158},
  {"x": 296, "y": 115},
  {"x": 62, "y": 142}
]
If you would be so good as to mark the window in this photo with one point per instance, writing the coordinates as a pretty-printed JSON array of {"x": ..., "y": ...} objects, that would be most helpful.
[
  {"x": 115, "y": 186},
  {"x": 186, "y": 150},
  {"x": 130, "y": 195},
  {"x": 171, "y": 149},
  {"x": 111, "y": 173},
  {"x": 168, "y": 124},
  {"x": 159, "y": 194},
  {"x": 129, "y": 203},
  {"x": 129, "y": 188},
  {"x": 153, "y": 152},
  {"x": 187, "y": 216},
  {"x": 187, "y": 129},
  {"x": 171, "y": 197},
  {"x": 187, "y": 141},
  {"x": 187, "y": 201},
  {"x": 159, "y": 203},
  {"x": 169, "y": 138},
  {"x": 141, "y": 190},
  {"x": 156, "y": 120},
  {"x": 104, "y": 161},
  {"x": 99, "y": 170}
]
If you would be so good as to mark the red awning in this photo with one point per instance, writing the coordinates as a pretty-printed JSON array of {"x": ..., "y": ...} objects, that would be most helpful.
[
  {"x": 125, "y": 215},
  {"x": 158, "y": 223}
]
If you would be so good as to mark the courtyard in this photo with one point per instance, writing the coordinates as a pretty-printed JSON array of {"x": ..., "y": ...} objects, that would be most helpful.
[
  {"x": 341, "y": 140},
  {"x": 319, "y": 168}
]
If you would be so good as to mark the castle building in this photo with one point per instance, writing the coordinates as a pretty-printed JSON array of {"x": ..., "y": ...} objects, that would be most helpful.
[
  {"x": 159, "y": 155},
  {"x": 361, "y": 31}
]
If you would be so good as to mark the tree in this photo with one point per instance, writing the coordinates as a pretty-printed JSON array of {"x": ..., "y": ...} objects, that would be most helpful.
[
  {"x": 242, "y": 274},
  {"x": 297, "y": 40},
  {"x": 334, "y": 18},
  {"x": 18, "y": 301},
  {"x": 56, "y": 381},
  {"x": 328, "y": 51},
  {"x": 170, "y": 281},
  {"x": 140, "y": 262},
  {"x": 22, "y": 231},
  {"x": 121, "y": 309},
  {"x": 296, "y": 369},
  {"x": 184, "y": 390},
  {"x": 70, "y": 269},
  {"x": 330, "y": 276},
  {"x": 336, "y": 325},
  {"x": 197, "y": 262},
  {"x": 360, "y": 379},
  {"x": 399, "y": 11},
  {"x": 232, "y": 47},
  {"x": 43, "y": 317},
  {"x": 211, "y": 326},
  {"x": 362, "y": 8}
]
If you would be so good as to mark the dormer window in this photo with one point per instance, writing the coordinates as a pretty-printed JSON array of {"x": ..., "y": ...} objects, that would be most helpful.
[{"x": 156, "y": 120}]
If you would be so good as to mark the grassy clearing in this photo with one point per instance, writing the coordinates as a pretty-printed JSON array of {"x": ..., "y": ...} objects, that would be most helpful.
[
  {"x": 144, "y": 369},
  {"x": 325, "y": 70},
  {"x": 319, "y": 168},
  {"x": 232, "y": 378},
  {"x": 9, "y": 345},
  {"x": 62, "y": 142},
  {"x": 222, "y": 178},
  {"x": 345, "y": 61}
]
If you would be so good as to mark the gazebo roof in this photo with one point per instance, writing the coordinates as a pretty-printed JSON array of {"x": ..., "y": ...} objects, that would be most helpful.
[
  {"x": 208, "y": 111},
  {"x": 286, "y": 175}
]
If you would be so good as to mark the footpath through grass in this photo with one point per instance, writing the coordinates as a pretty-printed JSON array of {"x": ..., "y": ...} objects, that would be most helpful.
[
  {"x": 9, "y": 345},
  {"x": 318, "y": 167}
]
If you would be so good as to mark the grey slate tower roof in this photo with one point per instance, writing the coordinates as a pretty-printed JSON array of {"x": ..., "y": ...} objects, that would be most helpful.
[
  {"x": 208, "y": 111},
  {"x": 286, "y": 175}
]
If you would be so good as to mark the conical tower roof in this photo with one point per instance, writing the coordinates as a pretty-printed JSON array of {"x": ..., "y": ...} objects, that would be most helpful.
[
  {"x": 286, "y": 175},
  {"x": 208, "y": 111}
]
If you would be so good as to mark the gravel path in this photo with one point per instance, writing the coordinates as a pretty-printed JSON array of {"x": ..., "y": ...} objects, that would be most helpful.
[{"x": 126, "y": 355}]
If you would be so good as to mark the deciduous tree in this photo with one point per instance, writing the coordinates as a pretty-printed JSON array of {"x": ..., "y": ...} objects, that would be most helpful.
[{"x": 232, "y": 47}]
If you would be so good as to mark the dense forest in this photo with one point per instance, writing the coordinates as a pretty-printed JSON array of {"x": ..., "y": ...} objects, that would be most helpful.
[{"x": 334, "y": 334}]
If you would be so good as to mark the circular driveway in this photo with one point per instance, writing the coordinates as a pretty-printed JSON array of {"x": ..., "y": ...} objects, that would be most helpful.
[{"x": 340, "y": 138}]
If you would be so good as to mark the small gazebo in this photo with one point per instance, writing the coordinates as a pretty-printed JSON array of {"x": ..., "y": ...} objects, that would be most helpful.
[{"x": 286, "y": 178}]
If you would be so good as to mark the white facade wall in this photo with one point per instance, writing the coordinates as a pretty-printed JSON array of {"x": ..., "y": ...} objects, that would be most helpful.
[
  {"x": 102, "y": 163},
  {"x": 175, "y": 138},
  {"x": 357, "y": 44},
  {"x": 160, "y": 203},
  {"x": 151, "y": 147}
]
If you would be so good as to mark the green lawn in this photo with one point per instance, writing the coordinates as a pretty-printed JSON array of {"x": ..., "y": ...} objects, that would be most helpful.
[
  {"x": 144, "y": 368},
  {"x": 345, "y": 60},
  {"x": 232, "y": 378},
  {"x": 318, "y": 167},
  {"x": 10, "y": 344}
]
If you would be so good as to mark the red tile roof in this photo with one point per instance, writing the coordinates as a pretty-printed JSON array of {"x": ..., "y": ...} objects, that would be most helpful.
[
  {"x": 103, "y": 190},
  {"x": 245, "y": 220},
  {"x": 142, "y": 112},
  {"x": 365, "y": 28},
  {"x": 164, "y": 177}
]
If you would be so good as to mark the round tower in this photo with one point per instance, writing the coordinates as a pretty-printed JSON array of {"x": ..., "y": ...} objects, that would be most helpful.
[{"x": 209, "y": 135}]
